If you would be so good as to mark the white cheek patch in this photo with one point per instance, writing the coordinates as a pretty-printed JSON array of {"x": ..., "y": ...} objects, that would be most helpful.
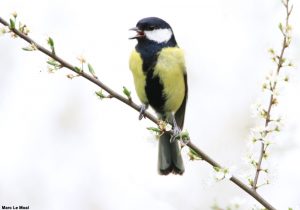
[{"x": 159, "y": 35}]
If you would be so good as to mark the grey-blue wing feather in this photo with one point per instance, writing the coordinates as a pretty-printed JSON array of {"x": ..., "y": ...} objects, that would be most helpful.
[{"x": 180, "y": 113}]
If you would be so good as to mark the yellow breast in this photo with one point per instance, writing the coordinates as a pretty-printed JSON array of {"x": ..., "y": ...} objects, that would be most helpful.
[
  {"x": 136, "y": 67},
  {"x": 170, "y": 68}
]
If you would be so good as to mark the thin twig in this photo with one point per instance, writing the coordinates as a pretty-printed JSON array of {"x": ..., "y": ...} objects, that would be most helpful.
[
  {"x": 130, "y": 103},
  {"x": 285, "y": 44}
]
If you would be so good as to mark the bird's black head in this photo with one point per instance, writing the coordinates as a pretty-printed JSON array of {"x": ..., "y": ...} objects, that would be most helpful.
[
  {"x": 152, "y": 23},
  {"x": 153, "y": 29}
]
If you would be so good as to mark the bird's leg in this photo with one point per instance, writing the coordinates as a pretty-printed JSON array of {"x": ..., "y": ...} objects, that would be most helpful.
[
  {"x": 142, "y": 111},
  {"x": 176, "y": 129}
]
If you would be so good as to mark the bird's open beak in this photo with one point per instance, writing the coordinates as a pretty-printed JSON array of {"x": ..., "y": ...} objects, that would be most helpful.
[{"x": 139, "y": 33}]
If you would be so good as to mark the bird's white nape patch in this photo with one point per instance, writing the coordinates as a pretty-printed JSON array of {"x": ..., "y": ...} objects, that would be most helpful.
[{"x": 159, "y": 35}]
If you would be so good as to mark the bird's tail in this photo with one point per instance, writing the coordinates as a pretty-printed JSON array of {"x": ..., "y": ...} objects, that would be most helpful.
[{"x": 169, "y": 156}]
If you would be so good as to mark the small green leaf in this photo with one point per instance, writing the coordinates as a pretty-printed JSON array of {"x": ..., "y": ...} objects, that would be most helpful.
[
  {"x": 280, "y": 26},
  {"x": 264, "y": 113},
  {"x": 185, "y": 136},
  {"x": 127, "y": 92},
  {"x": 154, "y": 129},
  {"x": 251, "y": 182},
  {"x": 272, "y": 51},
  {"x": 27, "y": 49},
  {"x": 52, "y": 63},
  {"x": 78, "y": 70},
  {"x": 194, "y": 155},
  {"x": 91, "y": 70},
  {"x": 265, "y": 170},
  {"x": 12, "y": 24},
  {"x": 253, "y": 163},
  {"x": 274, "y": 101},
  {"x": 51, "y": 44},
  {"x": 100, "y": 94}
]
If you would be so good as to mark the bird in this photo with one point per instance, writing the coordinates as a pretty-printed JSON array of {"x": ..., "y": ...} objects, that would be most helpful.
[{"x": 159, "y": 73}]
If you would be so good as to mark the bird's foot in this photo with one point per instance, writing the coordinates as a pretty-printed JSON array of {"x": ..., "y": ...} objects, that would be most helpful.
[
  {"x": 142, "y": 111},
  {"x": 176, "y": 130},
  {"x": 176, "y": 133}
]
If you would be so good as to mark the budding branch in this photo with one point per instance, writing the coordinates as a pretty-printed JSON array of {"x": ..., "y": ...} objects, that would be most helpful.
[
  {"x": 285, "y": 44},
  {"x": 133, "y": 105}
]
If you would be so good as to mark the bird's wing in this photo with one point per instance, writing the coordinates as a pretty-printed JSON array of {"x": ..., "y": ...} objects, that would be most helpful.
[{"x": 179, "y": 115}]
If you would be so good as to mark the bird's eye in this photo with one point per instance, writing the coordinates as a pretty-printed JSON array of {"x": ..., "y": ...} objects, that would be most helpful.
[{"x": 152, "y": 27}]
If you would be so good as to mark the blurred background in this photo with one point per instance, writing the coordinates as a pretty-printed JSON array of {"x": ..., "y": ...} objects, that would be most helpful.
[{"x": 63, "y": 148}]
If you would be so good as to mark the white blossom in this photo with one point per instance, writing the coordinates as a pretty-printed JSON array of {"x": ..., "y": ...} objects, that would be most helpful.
[{"x": 168, "y": 127}]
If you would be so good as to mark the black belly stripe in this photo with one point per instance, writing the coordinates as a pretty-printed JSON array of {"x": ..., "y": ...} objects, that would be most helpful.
[
  {"x": 154, "y": 91},
  {"x": 149, "y": 51}
]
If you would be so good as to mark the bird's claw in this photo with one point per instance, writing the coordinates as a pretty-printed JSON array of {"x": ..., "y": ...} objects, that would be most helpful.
[
  {"x": 176, "y": 134},
  {"x": 142, "y": 111},
  {"x": 176, "y": 130}
]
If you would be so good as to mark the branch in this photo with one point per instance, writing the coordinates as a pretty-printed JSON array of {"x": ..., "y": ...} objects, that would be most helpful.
[
  {"x": 285, "y": 44},
  {"x": 128, "y": 102}
]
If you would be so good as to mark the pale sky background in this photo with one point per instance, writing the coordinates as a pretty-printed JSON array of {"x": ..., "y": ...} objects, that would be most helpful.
[{"x": 62, "y": 148}]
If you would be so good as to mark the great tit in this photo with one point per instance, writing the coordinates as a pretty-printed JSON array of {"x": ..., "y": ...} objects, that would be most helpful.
[{"x": 158, "y": 68}]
